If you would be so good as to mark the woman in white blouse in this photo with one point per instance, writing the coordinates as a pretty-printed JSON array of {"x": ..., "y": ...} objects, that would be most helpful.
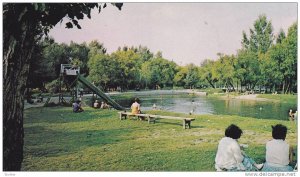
[
  {"x": 229, "y": 156},
  {"x": 278, "y": 151}
]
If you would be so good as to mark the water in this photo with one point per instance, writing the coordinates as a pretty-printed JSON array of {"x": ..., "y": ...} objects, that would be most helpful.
[{"x": 185, "y": 103}]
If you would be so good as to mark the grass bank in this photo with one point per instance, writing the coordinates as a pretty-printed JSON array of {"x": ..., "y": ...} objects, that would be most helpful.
[
  {"x": 283, "y": 98},
  {"x": 96, "y": 140}
]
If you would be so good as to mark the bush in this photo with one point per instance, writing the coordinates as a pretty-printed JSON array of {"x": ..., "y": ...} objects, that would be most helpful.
[{"x": 53, "y": 86}]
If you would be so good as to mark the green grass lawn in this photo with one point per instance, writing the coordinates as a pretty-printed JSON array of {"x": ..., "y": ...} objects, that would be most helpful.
[
  {"x": 283, "y": 98},
  {"x": 96, "y": 140}
]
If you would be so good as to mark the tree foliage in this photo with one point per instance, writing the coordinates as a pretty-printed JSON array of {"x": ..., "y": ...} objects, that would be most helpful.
[
  {"x": 224, "y": 70},
  {"x": 160, "y": 72},
  {"x": 23, "y": 25},
  {"x": 137, "y": 67},
  {"x": 261, "y": 36},
  {"x": 192, "y": 76},
  {"x": 246, "y": 68},
  {"x": 102, "y": 70},
  {"x": 206, "y": 72},
  {"x": 179, "y": 78}
]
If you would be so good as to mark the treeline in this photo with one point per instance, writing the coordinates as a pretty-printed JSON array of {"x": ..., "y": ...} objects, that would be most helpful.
[{"x": 265, "y": 61}]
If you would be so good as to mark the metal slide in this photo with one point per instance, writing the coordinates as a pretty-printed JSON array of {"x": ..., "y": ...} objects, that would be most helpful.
[{"x": 100, "y": 93}]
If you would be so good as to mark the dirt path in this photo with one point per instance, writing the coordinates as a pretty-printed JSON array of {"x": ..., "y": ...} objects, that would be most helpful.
[{"x": 34, "y": 105}]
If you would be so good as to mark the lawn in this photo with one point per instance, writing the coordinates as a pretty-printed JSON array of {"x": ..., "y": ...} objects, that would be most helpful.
[
  {"x": 283, "y": 98},
  {"x": 96, "y": 140}
]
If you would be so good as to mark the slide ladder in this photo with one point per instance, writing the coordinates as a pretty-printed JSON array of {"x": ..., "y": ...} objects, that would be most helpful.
[{"x": 99, "y": 93}]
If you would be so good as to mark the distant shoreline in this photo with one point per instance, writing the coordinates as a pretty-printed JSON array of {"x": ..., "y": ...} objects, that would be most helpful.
[{"x": 251, "y": 97}]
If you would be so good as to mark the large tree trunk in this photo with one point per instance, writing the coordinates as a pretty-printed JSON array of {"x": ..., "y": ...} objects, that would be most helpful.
[{"x": 19, "y": 29}]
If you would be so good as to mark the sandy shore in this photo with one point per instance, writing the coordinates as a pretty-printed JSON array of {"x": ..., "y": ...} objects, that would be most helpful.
[{"x": 251, "y": 97}]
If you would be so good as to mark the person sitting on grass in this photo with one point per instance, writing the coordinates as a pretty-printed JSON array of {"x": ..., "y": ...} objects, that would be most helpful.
[
  {"x": 96, "y": 104},
  {"x": 77, "y": 107},
  {"x": 229, "y": 155},
  {"x": 296, "y": 117},
  {"x": 278, "y": 152},
  {"x": 104, "y": 105}
]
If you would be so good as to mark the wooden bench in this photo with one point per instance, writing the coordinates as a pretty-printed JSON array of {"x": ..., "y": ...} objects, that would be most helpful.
[
  {"x": 123, "y": 115},
  {"x": 186, "y": 122}
]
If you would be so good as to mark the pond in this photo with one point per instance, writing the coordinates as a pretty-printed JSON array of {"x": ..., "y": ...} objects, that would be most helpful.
[{"x": 186, "y": 103}]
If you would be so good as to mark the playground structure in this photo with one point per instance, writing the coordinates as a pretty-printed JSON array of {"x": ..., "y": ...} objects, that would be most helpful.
[{"x": 67, "y": 71}]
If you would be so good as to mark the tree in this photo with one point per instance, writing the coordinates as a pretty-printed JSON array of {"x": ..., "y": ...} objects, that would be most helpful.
[
  {"x": 206, "y": 72},
  {"x": 96, "y": 48},
  {"x": 158, "y": 54},
  {"x": 145, "y": 53},
  {"x": 180, "y": 76},
  {"x": 289, "y": 65},
  {"x": 224, "y": 70},
  {"x": 270, "y": 66},
  {"x": 146, "y": 74},
  {"x": 129, "y": 63},
  {"x": 279, "y": 65},
  {"x": 192, "y": 76},
  {"x": 45, "y": 67},
  {"x": 54, "y": 55},
  {"x": 261, "y": 37},
  {"x": 23, "y": 26},
  {"x": 159, "y": 71},
  {"x": 260, "y": 40},
  {"x": 270, "y": 63},
  {"x": 247, "y": 68},
  {"x": 280, "y": 37},
  {"x": 103, "y": 70},
  {"x": 78, "y": 55}
]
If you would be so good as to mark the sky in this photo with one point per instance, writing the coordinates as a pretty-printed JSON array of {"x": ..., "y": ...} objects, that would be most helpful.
[{"x": 184, "y": 32}]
